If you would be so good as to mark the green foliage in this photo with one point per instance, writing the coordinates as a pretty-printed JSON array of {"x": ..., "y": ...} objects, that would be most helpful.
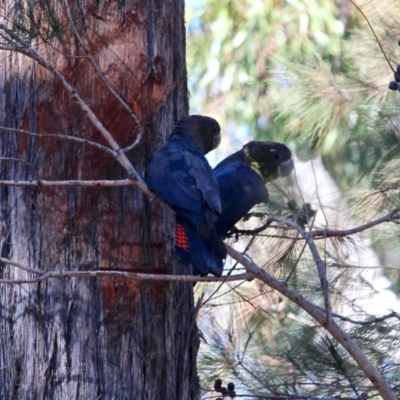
[
  {"x": 310, "y": 74},
  {"x": 299, "y": 71},
  {"x": 270, "y": 347},
  {"x": 234, "y": 46}
]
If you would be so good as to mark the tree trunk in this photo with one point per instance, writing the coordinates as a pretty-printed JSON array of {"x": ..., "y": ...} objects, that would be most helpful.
[{"x": 91, "y": 338}]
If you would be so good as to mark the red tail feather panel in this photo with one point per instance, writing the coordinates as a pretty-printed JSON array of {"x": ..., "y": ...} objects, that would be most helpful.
[{"x": 181, "y": 239}]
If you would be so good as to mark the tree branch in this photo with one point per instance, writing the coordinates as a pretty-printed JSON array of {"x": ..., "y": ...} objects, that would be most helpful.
[
  {"x": 61, "y": 136},
  {"x": 317, "y": 258},
  {"x": 122, "y": 274},
  {"x": 376, "y": 320},
  {"x": 95, "y": 183},
  {"x": 320, "y": 316},
  {"x": 41, "y": 276},
  {"x": 392, "y": 216},
  {"x": 29, "y": 165},
  {"x": 25, "y": 48}
]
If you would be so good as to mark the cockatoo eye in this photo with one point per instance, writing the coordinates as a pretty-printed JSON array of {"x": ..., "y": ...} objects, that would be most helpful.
[{"x": 277, "y": 156}]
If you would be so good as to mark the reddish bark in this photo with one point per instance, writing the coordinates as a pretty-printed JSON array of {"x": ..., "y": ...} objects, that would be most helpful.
[{"x": 93, "y": 338}]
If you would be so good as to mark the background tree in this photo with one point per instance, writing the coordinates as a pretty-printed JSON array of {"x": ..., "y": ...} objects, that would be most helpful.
[
  {"x": 89, "y": 91},
  {"x": 310, "y": 74}
]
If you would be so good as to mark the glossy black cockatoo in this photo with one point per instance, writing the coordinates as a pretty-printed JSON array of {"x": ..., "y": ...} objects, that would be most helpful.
[
  {"x": 242, "y": 176},
  {"x": 180, "y": 174}
]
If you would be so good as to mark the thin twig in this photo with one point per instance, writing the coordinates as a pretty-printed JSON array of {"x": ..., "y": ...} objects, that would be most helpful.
[
  {"x": 28, "y": 164},
  {"x": 392, "y": 216},
  {"x": 104, "y": 80},
  {"x": 321, "y": 265},
  {"x": 297, "y": 261},
  {"x": 317, "y": 258},
  {"x": 67, "y": 183},
  {"x": 393, "y": 314},
  {"x": 122, "y": 274},
  {"x": 61, "y": 136},
  {"x": 211, "y": 296},
  {"x": 21, "y": 266},
  {"x": 372, "y": 30}
]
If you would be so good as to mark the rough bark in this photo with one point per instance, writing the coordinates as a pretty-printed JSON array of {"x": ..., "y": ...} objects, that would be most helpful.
[{"x": 108, "y": 338}]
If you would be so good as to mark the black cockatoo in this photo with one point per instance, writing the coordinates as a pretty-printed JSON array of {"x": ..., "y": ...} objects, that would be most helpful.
[
  {"x": 180, "y": 174},
  {"x": 242, "y": 176}
]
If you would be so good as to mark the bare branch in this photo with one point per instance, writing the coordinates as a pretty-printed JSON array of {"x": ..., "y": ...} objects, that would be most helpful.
[
  {"x": 67, "y": 183},
  {"x": 61, "y": 136},
  {"x": 320, "y": 316},
  {"x": 44, "y": 275},
  {"x": 21, "y": 266},
  {"x": 29, "y": 51},
  {"x": 9, "y": 48},
  {"x": 392, "y": 216},
  {"x": 376, "y": 320},
  {"x": 29, "y": 165},
  {"x": 122, "y": 274}
]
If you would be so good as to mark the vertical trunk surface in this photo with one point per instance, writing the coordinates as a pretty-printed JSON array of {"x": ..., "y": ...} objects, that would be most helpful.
[{"x": 91, "y": 338}]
